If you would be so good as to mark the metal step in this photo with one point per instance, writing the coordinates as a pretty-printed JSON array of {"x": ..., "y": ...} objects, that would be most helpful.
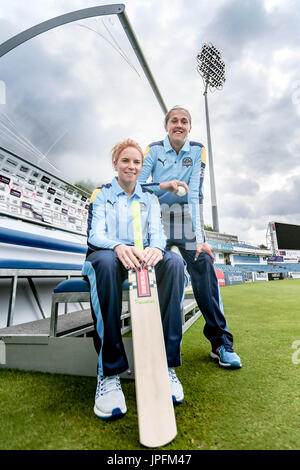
[
  {"x": 70, "y": 323},
  {"x": 65, "y": 355},
  {"x": 30, "y": 347}
]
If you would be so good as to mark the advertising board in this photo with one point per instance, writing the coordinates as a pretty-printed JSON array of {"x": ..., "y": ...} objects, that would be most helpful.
[
  {"x": 221, "y": 278},
  {"x": 256, "y": 276},
  {"x": 275, "y": 276},
  {"x": 234, "y": 278},
  {"x": 30, "y": 193},
  {"x": 294, "y": 275}
]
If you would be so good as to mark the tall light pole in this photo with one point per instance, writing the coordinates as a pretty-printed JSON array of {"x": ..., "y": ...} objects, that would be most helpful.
[{"x": 212, "y": 69}]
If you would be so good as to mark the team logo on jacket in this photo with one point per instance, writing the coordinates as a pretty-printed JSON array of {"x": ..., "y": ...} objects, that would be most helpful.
[{"x": 187, "y": 161}]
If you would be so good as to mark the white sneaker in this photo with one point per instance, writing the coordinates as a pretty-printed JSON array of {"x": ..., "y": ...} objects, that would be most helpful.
[
  {"x": 176, "y": 387},
  {"x": 109, "y": 398}
]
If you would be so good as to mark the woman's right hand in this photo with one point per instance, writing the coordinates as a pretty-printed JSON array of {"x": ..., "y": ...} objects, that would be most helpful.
[
  {"x": 129, "y": 256},
  {"x": 173, "y": 186}
]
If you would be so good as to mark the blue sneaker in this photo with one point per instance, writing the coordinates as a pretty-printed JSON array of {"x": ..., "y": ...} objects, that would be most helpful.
[{"x": 227, "y": 359}]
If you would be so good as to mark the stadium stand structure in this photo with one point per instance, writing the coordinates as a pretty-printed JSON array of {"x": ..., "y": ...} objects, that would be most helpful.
[{"x": 237, "y": 261}]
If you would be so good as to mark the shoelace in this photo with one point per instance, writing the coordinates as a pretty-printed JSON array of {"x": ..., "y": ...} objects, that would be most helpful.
[
  {"x": 107, "y": 384},
  {"x": 222, "y": 348},
  {"x": 173, "y": 375}
]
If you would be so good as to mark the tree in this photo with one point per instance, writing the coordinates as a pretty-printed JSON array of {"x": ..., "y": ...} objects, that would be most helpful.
[{"x": 86, "y": 185}]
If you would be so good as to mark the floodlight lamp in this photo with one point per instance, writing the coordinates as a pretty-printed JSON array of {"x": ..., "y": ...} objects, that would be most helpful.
[{"x": 210, "y": 66}]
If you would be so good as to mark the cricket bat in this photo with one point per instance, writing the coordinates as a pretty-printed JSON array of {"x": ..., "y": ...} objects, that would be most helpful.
[{"x": 156, "y": 417}]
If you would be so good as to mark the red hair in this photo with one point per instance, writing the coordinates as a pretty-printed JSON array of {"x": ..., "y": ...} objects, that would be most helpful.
[{"x": 120, "y": 146}]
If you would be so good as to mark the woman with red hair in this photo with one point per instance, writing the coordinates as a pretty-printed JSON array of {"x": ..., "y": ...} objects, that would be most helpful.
[{"x": 111, "y": 253}]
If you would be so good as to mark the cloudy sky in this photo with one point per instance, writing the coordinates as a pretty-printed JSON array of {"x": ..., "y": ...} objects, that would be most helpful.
[{"x": 73, "y": 92}]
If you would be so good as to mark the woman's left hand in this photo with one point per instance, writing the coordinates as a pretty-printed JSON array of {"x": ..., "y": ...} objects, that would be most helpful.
[
  {"x": 152, "y": 256},
  {"x": 204, "y": 248}
]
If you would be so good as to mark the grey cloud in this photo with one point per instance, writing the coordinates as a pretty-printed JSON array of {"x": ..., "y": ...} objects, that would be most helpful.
[
  {"x": 284, "y": 201},
  {"x": 262, "y": 133},
  {"x": 241, "y": 186},
  {"x": 239, "y": 26},
  {"x": 234, "y": 25},
  {"x": 51, "y": 105},
  {"x": 237, "y": 209}
]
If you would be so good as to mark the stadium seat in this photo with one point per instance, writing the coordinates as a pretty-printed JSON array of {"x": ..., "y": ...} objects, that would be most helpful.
[{"x": 74, "y": 290}]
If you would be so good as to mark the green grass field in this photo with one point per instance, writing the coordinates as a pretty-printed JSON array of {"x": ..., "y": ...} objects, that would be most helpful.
[{"x": 256, "y": 407}]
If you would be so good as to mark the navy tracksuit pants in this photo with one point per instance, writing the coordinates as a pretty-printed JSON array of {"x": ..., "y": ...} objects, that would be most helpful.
[
  {"x": 105, "y": 274},
  {"x": 204, "y": 283}
]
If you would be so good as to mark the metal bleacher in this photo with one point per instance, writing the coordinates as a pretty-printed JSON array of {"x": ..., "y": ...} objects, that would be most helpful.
[
  {"x": 268, "y": 268},
  {"x": 29, "y": 266},
  {"x": 224, "y": 267}
]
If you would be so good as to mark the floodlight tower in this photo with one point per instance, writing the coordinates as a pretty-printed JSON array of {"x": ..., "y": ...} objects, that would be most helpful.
[{"x": 212, "y": 69}]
